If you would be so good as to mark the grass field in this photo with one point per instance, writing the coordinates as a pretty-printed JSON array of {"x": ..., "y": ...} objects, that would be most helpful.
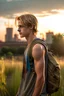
[{"x": 11, "y": 73}]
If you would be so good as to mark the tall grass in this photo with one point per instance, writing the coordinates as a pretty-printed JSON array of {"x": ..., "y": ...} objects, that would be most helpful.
[
  {"x": 3, "y": 89},
  {"x": 11, "y": 73}
]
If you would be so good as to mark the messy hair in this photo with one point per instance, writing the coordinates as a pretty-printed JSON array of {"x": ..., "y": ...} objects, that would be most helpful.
[{"x": 29, "y": 20}]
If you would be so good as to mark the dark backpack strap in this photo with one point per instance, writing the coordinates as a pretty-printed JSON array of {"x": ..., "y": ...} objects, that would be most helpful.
[
  {"x": 30, "y": 58},
  {"x": 35, "y": 41}
]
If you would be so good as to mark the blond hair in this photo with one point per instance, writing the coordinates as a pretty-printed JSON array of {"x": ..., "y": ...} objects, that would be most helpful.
[{"x": 29, "y": 20}]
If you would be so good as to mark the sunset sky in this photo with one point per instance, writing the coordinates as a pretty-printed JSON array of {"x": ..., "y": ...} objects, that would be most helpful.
[{"x": 50, "y": 14}]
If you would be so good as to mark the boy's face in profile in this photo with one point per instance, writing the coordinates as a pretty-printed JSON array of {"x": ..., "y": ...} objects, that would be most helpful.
[{"x": 23, "y": 29}]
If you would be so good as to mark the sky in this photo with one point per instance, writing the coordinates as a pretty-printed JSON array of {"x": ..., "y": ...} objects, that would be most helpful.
[{"x": 50, "y": 14}]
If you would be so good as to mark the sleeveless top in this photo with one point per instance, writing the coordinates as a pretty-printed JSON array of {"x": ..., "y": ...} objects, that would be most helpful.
[
  {"x": 28, "y": 82},
  {"x": 28, "y": 69}
]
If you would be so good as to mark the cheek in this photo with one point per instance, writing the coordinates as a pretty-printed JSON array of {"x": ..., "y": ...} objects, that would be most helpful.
[
  {"x": 22, "y": 31},
  {"x": 26, "y": 32}
]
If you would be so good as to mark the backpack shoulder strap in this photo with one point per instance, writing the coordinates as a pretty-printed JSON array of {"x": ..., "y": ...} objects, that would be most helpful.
[
  {"x": 35, "y": 41},
  {"x": 31, "y": 60}
]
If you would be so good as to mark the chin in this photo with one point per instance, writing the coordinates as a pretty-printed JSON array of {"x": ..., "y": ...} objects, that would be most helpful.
[{"x": 21, "y": 36}]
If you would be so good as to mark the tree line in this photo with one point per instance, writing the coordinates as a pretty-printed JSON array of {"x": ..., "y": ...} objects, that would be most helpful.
[
  {"x": 57, "y": 48},
  {"x": 12, "y": 51}
]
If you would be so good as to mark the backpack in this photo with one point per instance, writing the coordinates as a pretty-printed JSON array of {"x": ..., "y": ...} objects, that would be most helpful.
[{"x": 52, "y": 68}]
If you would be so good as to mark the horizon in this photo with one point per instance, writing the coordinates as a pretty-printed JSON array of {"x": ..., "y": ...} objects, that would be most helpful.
[{"x": 50, "y": 14}]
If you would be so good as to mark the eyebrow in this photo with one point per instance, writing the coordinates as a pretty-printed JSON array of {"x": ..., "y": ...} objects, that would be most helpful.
[{"x": 20, "y": 25}]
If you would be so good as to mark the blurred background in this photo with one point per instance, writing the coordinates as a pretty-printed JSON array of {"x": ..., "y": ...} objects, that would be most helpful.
[{"x": 50, "y": 15}]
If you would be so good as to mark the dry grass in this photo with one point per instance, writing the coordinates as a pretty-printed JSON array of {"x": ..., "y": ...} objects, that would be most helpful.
[
  {"x": 60, "y": 60},
  {"x": 9, "y": 66},
  {"x": 14, "y": 62},
  {"x": 10, "y": 74}
]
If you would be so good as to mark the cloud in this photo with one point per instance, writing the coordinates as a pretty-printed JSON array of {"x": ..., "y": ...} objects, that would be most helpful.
[
  {"x": 58, "y": 11},
  {"x": 41, "y": 14},
  {"x": 9, "y": 0},
  {"x": 44, "y": 7},
  {"x": 48, "y": 13},
  {"x": 15, "y": 0}
]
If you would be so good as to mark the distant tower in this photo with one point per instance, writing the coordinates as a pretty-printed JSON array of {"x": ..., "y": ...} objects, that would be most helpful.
[
  {"x": 9, "y": 34},
  {"x": 15, "y": 37},
  {"x": 49, "y": 37},
  {"x": 9, "y": 31}
]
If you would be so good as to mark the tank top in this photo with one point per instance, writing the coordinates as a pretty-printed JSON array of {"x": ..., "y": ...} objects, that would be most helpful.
[{"x": 28, "y": 69}]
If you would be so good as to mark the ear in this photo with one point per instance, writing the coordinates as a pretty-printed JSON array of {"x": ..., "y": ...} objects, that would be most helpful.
[{"x": 31, "y": 27}]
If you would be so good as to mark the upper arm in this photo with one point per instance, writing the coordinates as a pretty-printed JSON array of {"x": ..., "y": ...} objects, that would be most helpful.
[{"x": 38, "y": 53}]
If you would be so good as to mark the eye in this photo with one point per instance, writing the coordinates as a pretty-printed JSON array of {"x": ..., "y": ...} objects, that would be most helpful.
[{"x": 21, "y": 26}]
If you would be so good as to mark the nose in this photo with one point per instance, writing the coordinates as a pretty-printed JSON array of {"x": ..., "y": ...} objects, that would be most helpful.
[{"x": 18, "y": 30}]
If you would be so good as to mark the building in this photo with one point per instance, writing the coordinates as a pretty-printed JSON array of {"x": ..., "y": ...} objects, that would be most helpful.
[
  {"x": 16, "y": 38},
  {"x": 9, "y": 34},
  {"x": 49, "y": 38}
]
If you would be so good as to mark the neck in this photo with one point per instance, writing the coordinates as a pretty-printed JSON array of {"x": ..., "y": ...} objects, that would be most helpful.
[{"x": 30, "y": 38}]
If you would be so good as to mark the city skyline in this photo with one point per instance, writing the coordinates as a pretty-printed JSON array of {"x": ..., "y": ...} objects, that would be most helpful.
[{"x": 50, "y": 14}]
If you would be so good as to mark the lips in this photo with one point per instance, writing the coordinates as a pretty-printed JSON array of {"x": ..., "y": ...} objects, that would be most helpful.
[{"x": 20, "y": 33}]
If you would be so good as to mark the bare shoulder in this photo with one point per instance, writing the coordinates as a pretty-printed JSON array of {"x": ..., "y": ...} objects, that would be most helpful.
[
  {"x": 38, "y": 51},
  {"x": 38, "y": 46}
]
